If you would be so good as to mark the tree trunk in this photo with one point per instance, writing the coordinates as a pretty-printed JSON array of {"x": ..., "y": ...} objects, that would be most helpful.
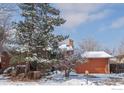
[{"x": 27, "y": 68}]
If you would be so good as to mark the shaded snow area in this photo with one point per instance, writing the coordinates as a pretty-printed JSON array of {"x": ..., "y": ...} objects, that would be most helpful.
[{"x": 74, "y": 79}]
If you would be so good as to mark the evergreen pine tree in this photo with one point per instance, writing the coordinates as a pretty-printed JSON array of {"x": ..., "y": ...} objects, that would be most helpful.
[{"x": 36, "y": 29}]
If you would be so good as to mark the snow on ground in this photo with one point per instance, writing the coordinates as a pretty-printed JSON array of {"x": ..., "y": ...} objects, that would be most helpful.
[{"x": 74, "y": 79}]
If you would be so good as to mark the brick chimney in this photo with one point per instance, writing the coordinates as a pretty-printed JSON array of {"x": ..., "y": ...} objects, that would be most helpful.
[{"x": 70, "y": 42}]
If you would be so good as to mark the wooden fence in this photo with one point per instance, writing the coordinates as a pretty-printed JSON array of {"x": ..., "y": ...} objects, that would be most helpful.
[{"x": 117, "y": 68}]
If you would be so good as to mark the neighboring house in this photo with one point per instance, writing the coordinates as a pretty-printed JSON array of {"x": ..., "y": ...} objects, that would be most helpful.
[
  {"x": 4, "y": 58},
  {"x": 95, "y": 62},
  {"x": 117, "y": 64},
  {"x": 120, "y": 58},
  {"x": 67, "y": 46}
]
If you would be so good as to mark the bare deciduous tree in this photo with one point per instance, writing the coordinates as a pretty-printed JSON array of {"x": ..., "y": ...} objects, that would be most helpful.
[
  {"x": 89, "y": 44},
  {"x": 111, "y": 51},
  {"x": 120, "y": 49},
  {"x": 6, "y": 11}
]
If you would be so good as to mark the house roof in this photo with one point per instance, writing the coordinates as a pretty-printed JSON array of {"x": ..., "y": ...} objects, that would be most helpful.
[
  {"x": 96, "y": 54},
  {"x": 64, "y": 46}
]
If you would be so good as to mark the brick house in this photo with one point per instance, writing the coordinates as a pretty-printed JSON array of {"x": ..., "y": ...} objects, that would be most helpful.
[
  {"x": 67, "y": 47},
  {"x": 4, "y": 58}
]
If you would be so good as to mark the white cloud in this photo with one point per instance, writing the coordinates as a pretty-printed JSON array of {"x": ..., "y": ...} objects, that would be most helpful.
[
  {"x": 74, "y": 20},
  {"x": 114, "y": 25},
  {"x": 99, "y": 15},
  {"x": 79, "y": 7},
  {"x": 118, "y": 23},
  {"x": 76, "y": 14}
]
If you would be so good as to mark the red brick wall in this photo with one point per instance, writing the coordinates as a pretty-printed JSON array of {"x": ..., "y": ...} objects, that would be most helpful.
[
  {"x": 94, "y": 65},
  {"x": 5, "y": 59}
]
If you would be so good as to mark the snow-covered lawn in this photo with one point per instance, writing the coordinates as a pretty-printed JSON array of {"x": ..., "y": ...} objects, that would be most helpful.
[{"x": 74, "y": 79}]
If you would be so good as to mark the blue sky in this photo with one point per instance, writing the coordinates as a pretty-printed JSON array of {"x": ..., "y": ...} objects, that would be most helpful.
[{"x": 103, "y": 22}]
